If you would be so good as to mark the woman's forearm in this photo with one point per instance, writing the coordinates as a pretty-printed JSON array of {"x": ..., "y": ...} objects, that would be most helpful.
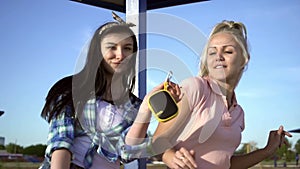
[
  {"x": 276, "y": 139},
  {"x": 137, "y": 133},
  {"x": 248, "y": 160},
  {"x": 138, "y": 130}
]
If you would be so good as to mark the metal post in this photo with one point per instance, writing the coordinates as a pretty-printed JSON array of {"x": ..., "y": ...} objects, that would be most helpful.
[{"x": 136, "y": 13}]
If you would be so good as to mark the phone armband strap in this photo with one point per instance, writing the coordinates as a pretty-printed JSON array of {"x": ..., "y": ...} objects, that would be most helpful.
[{"x": 162, "y": 105}]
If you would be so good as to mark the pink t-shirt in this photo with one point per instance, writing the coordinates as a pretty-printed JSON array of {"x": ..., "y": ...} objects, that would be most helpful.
[{"x": 215, "y": 146}]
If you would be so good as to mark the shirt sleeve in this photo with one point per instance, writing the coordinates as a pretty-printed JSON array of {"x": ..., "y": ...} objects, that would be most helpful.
[
  {"x": 61, "y": 132},
  {"x": 131, "y": 152},
  {"x": 193, "y": 88}
]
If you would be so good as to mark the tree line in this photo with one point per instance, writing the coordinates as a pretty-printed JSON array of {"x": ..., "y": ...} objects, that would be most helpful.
[{"x": 38, "y": 150}]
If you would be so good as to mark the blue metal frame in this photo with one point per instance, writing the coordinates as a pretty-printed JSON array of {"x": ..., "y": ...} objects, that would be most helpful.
[{"x": 120, "y": 5}]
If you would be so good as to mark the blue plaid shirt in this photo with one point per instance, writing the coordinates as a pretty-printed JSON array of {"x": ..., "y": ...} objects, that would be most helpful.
[{"x": 109, "y": 144}]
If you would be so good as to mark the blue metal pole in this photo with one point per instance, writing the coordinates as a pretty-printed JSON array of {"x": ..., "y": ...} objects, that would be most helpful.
[{"x": 136, "y": 13}]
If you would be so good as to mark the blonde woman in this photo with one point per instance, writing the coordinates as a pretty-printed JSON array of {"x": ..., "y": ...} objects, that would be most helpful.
[{"x": 208, "y": 128}]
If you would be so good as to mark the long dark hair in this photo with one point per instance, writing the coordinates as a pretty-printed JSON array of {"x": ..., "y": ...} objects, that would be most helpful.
[{"x": 90, "y": 82}]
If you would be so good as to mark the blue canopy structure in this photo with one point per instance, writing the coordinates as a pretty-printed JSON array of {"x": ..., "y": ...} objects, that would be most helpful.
[
  {"x": 120, "y": 5},
  {"x": 1, "y": 113},
  {"x": 295, "y": 131}
]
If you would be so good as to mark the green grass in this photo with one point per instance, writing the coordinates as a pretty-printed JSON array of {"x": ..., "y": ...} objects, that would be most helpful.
[
  {"x": 28, "y": 165},
  {"x": 19, "y": 165}
]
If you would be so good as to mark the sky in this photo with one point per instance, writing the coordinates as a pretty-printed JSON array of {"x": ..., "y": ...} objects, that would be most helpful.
[{"x": 42, "y": 41}]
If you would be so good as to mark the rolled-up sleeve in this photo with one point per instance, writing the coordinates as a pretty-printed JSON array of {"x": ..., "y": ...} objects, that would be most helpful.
[{"x": 61, "y": 132}]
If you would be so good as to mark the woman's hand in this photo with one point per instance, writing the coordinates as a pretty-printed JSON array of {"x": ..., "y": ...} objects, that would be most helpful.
[
  {"x": 180, "y": 159},
  {"x": 276, "y": 139},
  {"x": 144, "y": 111},
  {"x": 175, "y": 91}
]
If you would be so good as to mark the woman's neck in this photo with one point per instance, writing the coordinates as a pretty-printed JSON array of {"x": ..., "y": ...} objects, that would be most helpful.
[
  {"x": 227, "y": 90},
  {"x": 114, "y": 88}
]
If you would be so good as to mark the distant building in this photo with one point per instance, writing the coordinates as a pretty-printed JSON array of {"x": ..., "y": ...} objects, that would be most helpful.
[
  {"x": 5, "y": 156},
  {"x": 2, "y": 141}
]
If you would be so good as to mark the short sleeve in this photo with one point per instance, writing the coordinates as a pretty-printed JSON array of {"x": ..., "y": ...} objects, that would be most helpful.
[
  {"x": 61, "y": 132},
  {"x": 193, "y": 88}
]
